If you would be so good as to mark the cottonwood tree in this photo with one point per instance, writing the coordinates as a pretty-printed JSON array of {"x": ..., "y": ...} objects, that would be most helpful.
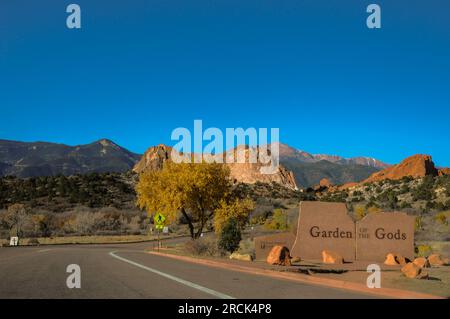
[
  {"x": 238, "y": 210},
  {"x": 14, "y": 218},
  {"x": 195, "y": 190}
]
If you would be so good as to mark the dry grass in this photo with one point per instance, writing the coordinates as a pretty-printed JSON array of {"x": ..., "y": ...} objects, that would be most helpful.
[{"x": 89, "y": 239}]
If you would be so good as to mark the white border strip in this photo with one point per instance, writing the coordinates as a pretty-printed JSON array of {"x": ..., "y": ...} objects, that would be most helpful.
[{"x": 179, "y": 280}]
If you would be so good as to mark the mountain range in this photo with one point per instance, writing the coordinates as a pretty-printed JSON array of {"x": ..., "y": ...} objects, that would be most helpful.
[
  {"x": 309, "y": 169},
  {"x": 29, "y": 159},
  {"x": 24, "y": 159}
]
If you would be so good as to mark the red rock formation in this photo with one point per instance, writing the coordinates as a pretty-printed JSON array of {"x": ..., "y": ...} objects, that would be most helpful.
[
  {"x": 245, "y": 172},
  {"x": 444, "y": 171},
  {"x": 279, "y": 255},
  {"x": 325, "y": 182},
  {"x": 416, "y": 166}
]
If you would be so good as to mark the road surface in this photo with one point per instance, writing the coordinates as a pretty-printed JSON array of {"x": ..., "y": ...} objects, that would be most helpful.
[{"x": 127, "y": 271}]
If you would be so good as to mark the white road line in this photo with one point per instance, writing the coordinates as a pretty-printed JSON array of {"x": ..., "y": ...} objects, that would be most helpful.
[{"x": 179, "y": 280}]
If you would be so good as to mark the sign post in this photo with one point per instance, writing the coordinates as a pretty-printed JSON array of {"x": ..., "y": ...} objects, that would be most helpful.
[
  {"x": 159, "y": 220},
  {"x": 14, "y": 241}
]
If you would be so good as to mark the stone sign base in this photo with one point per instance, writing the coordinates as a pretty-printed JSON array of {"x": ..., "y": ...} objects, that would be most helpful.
[{"x": 327, "y": 226}]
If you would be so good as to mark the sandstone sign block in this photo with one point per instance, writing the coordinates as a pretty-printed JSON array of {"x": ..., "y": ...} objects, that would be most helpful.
[
  {"x": 379, "y": 234},
  {"x": 324, "y": 226},
  {"x": 264, "y": 244}
]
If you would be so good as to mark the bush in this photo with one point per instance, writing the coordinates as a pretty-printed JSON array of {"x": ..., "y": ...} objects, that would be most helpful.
[
  {"x": 425, "y": 190},
  {"x": 230, "y": 236},
  {"x": 247, "y": 246},
  {"x": 441, "y": 218},
  {"x": 360, "y": 212},
  {"x": 202, "y": 246},
  {"x": 278, "y": 220},
  {"x": 424, "y": 250},
  {"x": 418, "y": 223}
]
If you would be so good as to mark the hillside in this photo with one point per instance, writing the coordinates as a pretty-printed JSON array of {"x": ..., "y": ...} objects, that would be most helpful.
[
  {"x": 426, "y": 197},
  {"x": 308, "y": 174},
  {"x": 309, "y": 168},
  {"x": 24, "y": 159}
]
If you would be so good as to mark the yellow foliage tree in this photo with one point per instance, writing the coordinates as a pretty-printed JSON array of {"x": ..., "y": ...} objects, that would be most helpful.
[
  {"x": 195, "y": 190},
  {"x": 360, "y": 212},
  {"x": 237, "y": 209}
]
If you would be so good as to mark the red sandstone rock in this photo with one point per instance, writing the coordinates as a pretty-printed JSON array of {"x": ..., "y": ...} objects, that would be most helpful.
[
  {"x": 279, "y": 255},
  {"x": 331, "y": 257},
  {"x": 415, "y": 166}
]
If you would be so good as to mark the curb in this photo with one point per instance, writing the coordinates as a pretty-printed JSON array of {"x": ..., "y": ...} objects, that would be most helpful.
[{"x": 301, "y": 278}]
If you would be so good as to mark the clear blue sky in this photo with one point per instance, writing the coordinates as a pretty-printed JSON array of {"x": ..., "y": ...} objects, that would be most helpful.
[{"x": 138, "y": 69}]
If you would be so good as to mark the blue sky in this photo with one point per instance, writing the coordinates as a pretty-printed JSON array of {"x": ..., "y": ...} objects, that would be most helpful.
[{"x": 138, "y": 69}]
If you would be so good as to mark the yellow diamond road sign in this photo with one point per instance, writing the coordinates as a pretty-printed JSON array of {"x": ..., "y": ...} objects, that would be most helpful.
[{"x": 159, "y": 219}]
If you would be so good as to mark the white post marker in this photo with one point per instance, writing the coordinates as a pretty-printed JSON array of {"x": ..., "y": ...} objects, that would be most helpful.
[
  {"x": 165, "y": 230},
  {"x": 14, "y": 241}
]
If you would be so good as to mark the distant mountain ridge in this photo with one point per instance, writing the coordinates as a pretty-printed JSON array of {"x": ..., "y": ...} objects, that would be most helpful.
[
  {"x": 29, "y": 159},
  {"x": 288, "y": 152},
  {"x": 309, "y": 169}
]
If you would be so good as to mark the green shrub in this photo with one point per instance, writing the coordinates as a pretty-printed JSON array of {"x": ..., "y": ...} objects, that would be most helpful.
[
  {"x": 418, "y": 224},
  {"x": 425, "y": 190},
  {"x": 247, "y": 246},
  {"x": 230, "y": 236},
  {"x": 278, "y": 220},
  {"x": 441, "y": 218},
  {"x": 424, "y": 250}
]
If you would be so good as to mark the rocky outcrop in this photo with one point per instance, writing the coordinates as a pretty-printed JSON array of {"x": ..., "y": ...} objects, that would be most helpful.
[
  {"x": 444, "y": 171},
  {"x": 242, "y": 172},
  {"x": 415, "y": 166},
  {"x": 331, "y": 257},
  {"x": 325, "y": 182},
  {"x": 153, "y": 158},
  {"x": 279, "y": 255}
]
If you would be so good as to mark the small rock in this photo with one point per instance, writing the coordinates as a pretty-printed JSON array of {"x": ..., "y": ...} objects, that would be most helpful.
[
  {"x": 421, "y": 262},
  {"x": 296, "y": 260},
  {"x": 402, "y": 260},
  {"x": 395, "y": 259},
  {"x": 436, "y": 260},
  {"x": 391, "y": 260},
  {"x": 243, "y": 257},
  {"x": 410, "y": 270},
  {"x": 331, "y": 257},
  {"x": 279, "y": 255}
]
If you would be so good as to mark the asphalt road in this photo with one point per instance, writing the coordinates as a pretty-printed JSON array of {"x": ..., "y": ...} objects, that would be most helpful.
[{"x": 126, "y": 271}]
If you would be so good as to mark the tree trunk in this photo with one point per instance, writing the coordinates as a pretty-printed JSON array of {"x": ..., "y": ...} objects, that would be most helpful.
[{"x": 191, "y": 226}]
